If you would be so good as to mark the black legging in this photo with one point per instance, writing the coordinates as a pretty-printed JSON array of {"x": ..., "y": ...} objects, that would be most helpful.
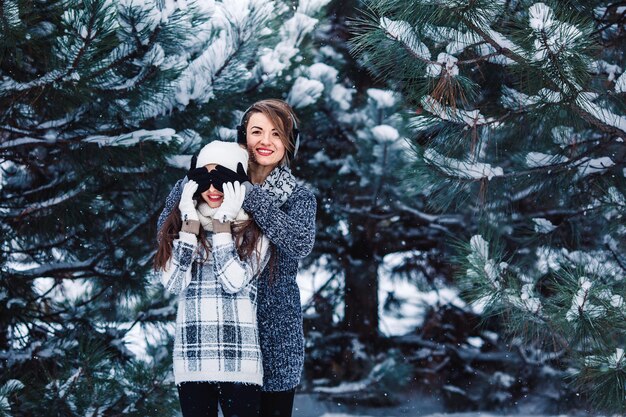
[
  {"x": 277, "y": 404},
  {"x": 199, "y": 399}
]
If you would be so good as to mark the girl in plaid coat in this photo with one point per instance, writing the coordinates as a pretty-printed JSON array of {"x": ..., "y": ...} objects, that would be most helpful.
[{"x": 210, "y": 253}]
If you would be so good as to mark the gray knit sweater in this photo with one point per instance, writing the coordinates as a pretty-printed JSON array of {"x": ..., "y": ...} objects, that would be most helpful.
[{"x": 291, "y": 230}]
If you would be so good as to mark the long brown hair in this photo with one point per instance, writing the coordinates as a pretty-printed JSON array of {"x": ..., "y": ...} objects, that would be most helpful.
[
  {"x": 282, "y": 117},
  {"x": 246, "y": 235}
]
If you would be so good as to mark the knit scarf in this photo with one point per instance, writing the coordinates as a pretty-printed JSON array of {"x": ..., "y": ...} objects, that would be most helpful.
[
  {"x": 280, "y": 184},
  {"x": 206, "y": 213}
]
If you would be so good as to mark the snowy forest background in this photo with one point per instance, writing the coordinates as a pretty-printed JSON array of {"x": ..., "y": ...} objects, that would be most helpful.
[{"x": 468, "y": 159}]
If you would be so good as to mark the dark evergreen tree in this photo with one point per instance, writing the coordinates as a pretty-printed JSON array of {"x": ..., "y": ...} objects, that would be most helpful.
[
  {"x": 101, "y": 103},
  {"x": 355, "y": 157},
  {"x": 521, "y": 122}
]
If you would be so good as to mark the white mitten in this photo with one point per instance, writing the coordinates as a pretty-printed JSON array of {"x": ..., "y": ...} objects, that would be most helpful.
[
  {"x": 234, "y": 194},
  {"x": 187, "y": 204}
]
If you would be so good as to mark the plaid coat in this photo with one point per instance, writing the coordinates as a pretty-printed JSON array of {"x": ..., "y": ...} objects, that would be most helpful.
[{"x": 216, "y": 324}]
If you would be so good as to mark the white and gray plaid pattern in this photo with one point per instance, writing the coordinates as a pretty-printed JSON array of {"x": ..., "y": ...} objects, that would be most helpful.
[{"x": 216, "y": 326}]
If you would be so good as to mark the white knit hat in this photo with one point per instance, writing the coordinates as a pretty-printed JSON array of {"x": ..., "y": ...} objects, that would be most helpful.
[{"x": 226, "y": 154}]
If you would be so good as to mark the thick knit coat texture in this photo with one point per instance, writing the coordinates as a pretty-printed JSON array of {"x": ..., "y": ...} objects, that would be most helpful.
[{"x": 290, "y": 227}]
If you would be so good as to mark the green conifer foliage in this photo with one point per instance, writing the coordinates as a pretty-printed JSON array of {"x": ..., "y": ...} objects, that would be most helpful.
[
  {"x": 101, "y": 103},
  {"x": 520, "y": 122}
]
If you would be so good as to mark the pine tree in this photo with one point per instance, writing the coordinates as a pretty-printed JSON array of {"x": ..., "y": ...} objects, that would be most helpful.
[
  {"x": 354, "y": 156},
  {"x": 102, "y": 103},
  {"x": 521, "y": 123}
]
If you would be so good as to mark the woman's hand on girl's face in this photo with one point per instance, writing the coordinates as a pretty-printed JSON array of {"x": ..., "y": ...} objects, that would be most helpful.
[
  {"x": 202, "y": 177},
  {"x": 224, "y": 175}
]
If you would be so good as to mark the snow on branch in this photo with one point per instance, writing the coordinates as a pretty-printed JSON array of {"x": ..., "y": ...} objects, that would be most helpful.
[
  {"x": 539, "y": 159},
  {"x": 588, "y": 166},
  {"x": 238, "y": 22},
  {"x": 516, "y": 100},
  {"x": 480, "y": 265},
  {"x": 461, "y": 169},
  {"x": 581, "y": 303},
  {"x": 384, "y": 98},
  {"x": 602, "y": 67},
  {"x": 273, "y": 61},
  {"x": 54, "y": 269},
  {"x": 304, "y": 92},
  {"x": 470, "y": 118},
  {"x": 45, "y": 204},
  {"x": 311, "y": 7},
  {"x": 603, "y": 114},
  {"x": 446, "y": 64},
  {"x": 585, "y": 166},
  {"x": 553, "y": 37},
  {"x": 130, "y": 139},
  {"x": 401, "y": 31},
  {"x": 620, "y": 84},
  {"x": 502, "y": 43},
  {"x": 22, "y": 141},
  {"x": 385, "y": 133},
  {"x": 457, "y": 41},
  {"x": 9, "y": 86}
]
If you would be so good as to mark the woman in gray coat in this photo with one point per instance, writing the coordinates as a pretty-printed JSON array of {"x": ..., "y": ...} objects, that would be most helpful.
[{"x": 285, "y": 212}]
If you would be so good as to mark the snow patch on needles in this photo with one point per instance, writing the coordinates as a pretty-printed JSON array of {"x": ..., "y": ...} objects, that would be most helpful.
[
  {"x": 445, "y": 62},
  {"x": 581, "y": 303},
  {"x": 620, "y": 84},
  {"x": 385, "y": 133},
  {"x": 471, "y": 118},
  {"x": 129, "y": 139},
  {"x": 481, "y": 265},
  {"x": 615, "y": 360},
  {"x": 273, "y": 61},
  {"x": 539, "y": 159},
  {"x": 402, "y": 31},
  {"x": 515, "y": 100},
  {"x": 148, "y": 8},
  {"x": 602, "y": 67},
  {"x": 304, "y": 92},
  {"x": 462, "y": 169},
  {"x": 586, "y": 101},
  {"x": 342, "y": 96},
  {"x": 543, "y": 226},
  {"x": 594, "y": 166},
  {"x": 311, "y": 7},
  {"x": 540, "y": 16},
  {"x": 552, "y": 36},
  {"x": 324, "y": 73},
  {"x": 384, "y": 98}
]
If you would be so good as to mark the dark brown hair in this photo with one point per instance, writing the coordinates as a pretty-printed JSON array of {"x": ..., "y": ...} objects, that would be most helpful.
[
  {"x": 282, "y": 117},
  {"x": 245, "y": 234}
]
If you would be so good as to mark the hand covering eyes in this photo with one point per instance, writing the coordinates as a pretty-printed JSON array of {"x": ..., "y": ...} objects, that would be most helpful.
[
  {"x": 217, "y": 177},
  {"x": 204, "y": 179},
  {"x": 223, "y": 174}
]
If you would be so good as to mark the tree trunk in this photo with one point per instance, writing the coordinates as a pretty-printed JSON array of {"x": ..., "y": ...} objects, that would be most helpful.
[{"x": 361, "y": 285}]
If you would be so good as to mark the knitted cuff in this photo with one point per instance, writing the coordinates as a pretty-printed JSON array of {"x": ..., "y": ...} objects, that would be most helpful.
[
  {"x": 219, "y": 227},
  {"x": 191, "y": 226}
]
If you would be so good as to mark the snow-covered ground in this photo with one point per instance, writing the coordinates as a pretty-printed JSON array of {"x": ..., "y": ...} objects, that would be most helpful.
[{"x": 472, "y": 414}]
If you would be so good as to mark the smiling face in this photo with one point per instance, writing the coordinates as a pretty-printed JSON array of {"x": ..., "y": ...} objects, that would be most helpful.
[
  {"x": 265, "y": 145},
  {"x": 212, "y": 196}
]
